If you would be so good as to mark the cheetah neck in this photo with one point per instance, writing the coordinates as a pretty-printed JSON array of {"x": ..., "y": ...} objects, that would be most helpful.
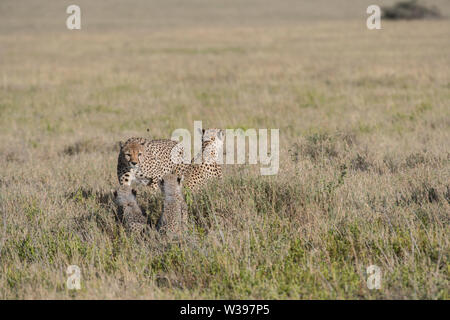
[{"x": 209, "y": 153}]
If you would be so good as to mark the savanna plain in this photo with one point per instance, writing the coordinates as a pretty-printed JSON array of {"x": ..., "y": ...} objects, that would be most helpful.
[{"x": 364, "y": 149}]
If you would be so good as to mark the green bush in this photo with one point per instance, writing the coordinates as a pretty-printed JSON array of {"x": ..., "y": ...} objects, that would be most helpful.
[{"x": 409, "y": 10}]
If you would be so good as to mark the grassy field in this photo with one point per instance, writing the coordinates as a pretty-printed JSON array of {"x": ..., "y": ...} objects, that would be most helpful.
[{"x": 364, "y": 119}]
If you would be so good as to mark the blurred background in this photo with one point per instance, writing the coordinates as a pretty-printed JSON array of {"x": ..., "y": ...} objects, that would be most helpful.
[{"x": 116, "y": 15}]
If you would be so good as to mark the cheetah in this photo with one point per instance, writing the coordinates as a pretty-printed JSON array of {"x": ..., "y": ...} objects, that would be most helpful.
[
  {"x": 128, "y": 209},
  {"x": 198, "y": 174},
  {"x": 174, "y": 215},
  {"x": 147, "y": 161}
]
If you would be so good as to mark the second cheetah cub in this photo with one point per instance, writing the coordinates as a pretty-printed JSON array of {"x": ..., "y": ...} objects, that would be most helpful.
[
  {"x": 128, "y": 209},
  {"x": 174, "y": 215}
]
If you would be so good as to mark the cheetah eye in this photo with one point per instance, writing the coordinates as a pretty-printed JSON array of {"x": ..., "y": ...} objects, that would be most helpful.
[
  {"x": 140, "y": 154},
  {"x": 128, "y": 155}
]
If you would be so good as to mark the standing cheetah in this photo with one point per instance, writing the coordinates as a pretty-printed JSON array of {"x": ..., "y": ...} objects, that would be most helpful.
[
  {"x": 128, "y": 209},
  {"x": 198, "y": 174},
  {"x": 174, "y": 216},
  {"x": 146, "y": 161}
]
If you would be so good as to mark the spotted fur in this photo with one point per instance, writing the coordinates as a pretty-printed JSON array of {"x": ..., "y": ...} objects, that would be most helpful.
[{"x": 146, "y": 162}]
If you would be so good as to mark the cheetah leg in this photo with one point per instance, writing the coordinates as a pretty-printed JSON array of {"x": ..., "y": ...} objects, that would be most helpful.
[
  {"x": 161, "y": 224},
  {"x": 184, "y": 215}
]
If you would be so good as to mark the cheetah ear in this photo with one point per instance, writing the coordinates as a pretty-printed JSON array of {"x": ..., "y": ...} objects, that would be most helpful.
[
  {"x": 121, "y": 144},
  {"x": 221, "y": 134},
  {"x": 134, "y": 192}
]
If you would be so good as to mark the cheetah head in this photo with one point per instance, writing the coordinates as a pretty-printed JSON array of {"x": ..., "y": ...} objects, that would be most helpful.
[
  {"x": 133, "y": 151},
  {"x": 124, "y": 195},
  {"x": 212, "y": 135},
  {"x": 212, "y": 144},
  {"x": 171, "y": 184}
]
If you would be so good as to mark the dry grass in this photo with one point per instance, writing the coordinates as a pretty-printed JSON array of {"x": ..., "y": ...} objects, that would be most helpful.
[{"x": 364, "y": 161}]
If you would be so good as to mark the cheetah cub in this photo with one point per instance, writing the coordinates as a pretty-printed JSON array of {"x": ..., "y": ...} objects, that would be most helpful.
[
  {"x": 174, "y": 216},
  {"x": 128, "y": 209}
]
